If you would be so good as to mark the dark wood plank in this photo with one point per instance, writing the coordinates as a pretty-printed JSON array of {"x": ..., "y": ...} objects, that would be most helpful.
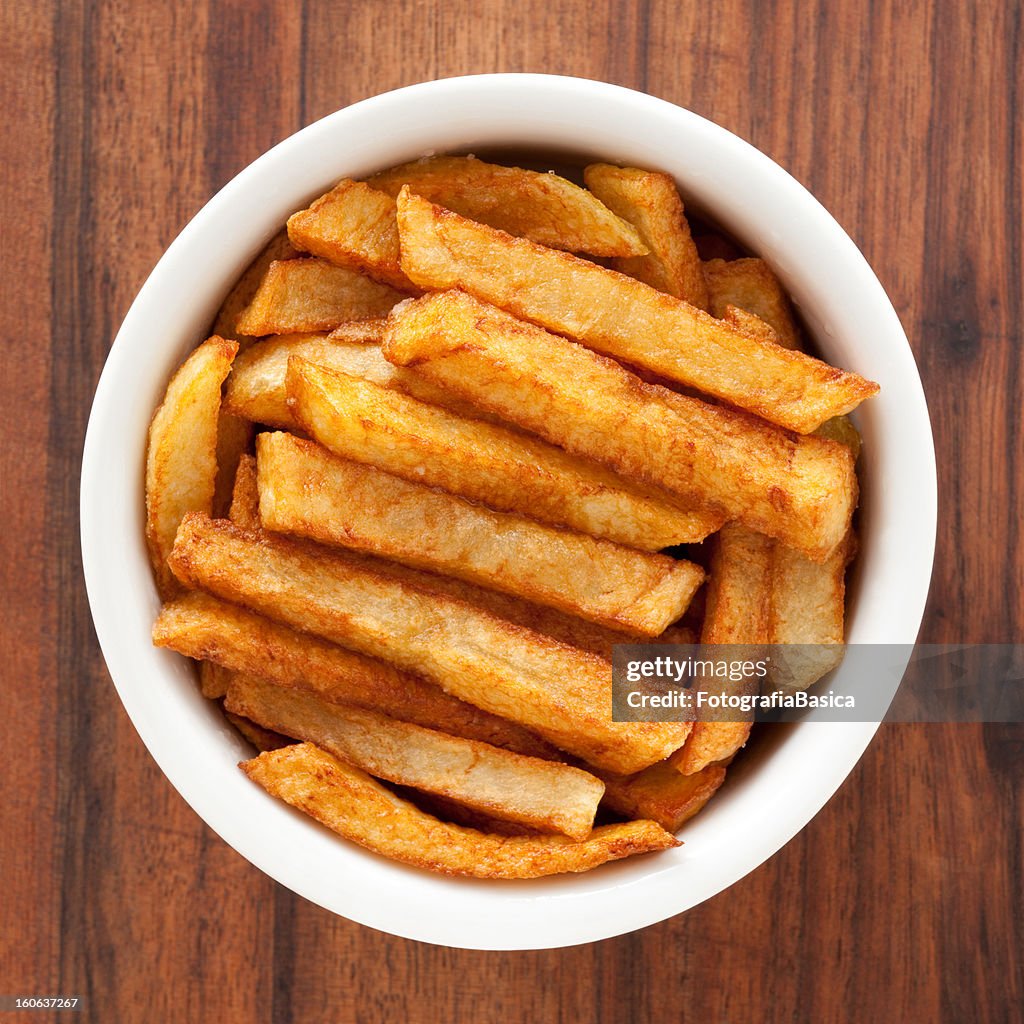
[
  {"x": 157, "y": 918},
  {"x": 29, "y": 945},
  {"x": 902, "y": 900}
]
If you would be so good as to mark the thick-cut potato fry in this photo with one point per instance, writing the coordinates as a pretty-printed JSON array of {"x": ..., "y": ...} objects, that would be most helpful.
[
  {"x": 738, "y": 603},
  {"x": 362, "y": 332},
  {"x": 448, "y": 810},
  {"x": 278, "y": 248},
  {"x": 181, "y": 461},
  {"x": 485, "y": 462},
  {"x": 234, "y": 438},
  {"x": 566, "y": 629},
  {"x": 544, "y": 795},
  {"x": 308, "y": 492},
  {"x": 353, "y": 226},
  {"x": 256, "y": 388},
  {"x": 262, "y": 739},
  {"x": 245, "y": 499},
  {"x": 799, "y": 489},
  {"x": 808, "y": 603},
  {"x": 807, "y": 608},
  {"x": 313, "y": 295},
  {"x": 213, "y": 679},
  {"x": 745, "y": 321},
  {"x": 542, "y": 207},
  {"x": 750, "y": 285},
  {"x": 739, "y": 588},
  {"x": 649, "y": 200},
  {"x": 841, "y": 429},
  {"x": 559, "y": 692},
  {"x": 200, "y": 626},
  {"x": 352, "y": 804},
  {"x": 621, "y": 317},
  {"x": 660, "y": 793}
]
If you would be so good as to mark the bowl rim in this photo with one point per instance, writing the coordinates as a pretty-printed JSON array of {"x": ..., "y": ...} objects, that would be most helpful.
[{"x": 156, "y": 687}]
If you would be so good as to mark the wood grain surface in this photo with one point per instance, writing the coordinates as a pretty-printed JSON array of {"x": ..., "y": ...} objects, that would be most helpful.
[{"x": 901, "y": 901}]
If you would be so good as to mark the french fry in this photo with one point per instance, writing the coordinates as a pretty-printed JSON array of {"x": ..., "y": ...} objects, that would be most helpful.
[
  {"x": 559, "y": 692},
  {"x": 245, "y": 499},
  {"x": 234, "y": 438},
  {"x": 362, "y": 332},
  {"x": 799, "y": 489},
  {"x": 262, "y": 739},
  {"x": 256, "y": 388},
  {"x": 841, "y": 429},
  {"x": 353, "y": 226},
  {"x": 278, "y": 248},
  {"x": 621, "y": 317},
  {"x": 807, "y": 609},
  {"x": 738, "y": 603},
  {"x": 648, "y": 200},
  {"x": 448, "y": 810},
  {"x": 313, "y": 295},
  {"x": 544, "y": 795},
  {"x": 213, "y": 680},
  {"x": 200, "y": 626},
  {"x": 808, "y": 602},
  {"x": 352, "y": 804},
  {"x": 566, "y": 629},
  {"x": 752, "y": 324},
  {"x": 542, "y": 207},
  {"x": 308, "y": 492},
  {"x": 501, "y": 468},
  {"x": 750, "y": 285},
  {"x": 181, "y": 460},
  {"x": 739, "y": 589},
  {"x": 660, "y": 793}
]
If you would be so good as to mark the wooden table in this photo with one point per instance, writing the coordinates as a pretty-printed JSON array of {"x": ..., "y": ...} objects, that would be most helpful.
[{"x": 902, "y": 900}]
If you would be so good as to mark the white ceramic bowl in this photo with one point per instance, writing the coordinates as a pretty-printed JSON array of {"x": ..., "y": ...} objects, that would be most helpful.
[{"x": 779, "y": 785}]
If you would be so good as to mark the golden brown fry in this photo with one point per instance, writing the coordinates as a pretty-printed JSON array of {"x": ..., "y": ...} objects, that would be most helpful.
[
  {"x": 559, "y": 692},
  {"x": 306, "y": 491},
  {"x": 621, "y": 317},
  {"x": 201, "y": 626},
  {"x": 661, "y": 793},
  {"x": 313, "y": 295},
  {"x": 750, "y": 285},
  {"x": 181, "y": 461},
  {"x": 739, "y": 595},
  {"x": 566, "y": 629},
  {"x": 213, "y": 679},
  {"x": 256, "y": 388},
  {"x": 262, "y": 739},
  {"x": 353, "y": 226},
  {"x": 544, "y": 795},
  {"x": 649, "y": 200},
  {"x": 739, "y": 588},
  {"x": 808, "y": 605},
  {"x": 752, "y": 324},
  {"x": 234, "y": 438},
  {"x": 841, "y": 429},
  {"x": 278, "y": 248},
  {"x": 807, "y": 609},
  {"x": 245, "y": 499},
  {"x": 542, "y": 207},
  {"x": 362, "y": 332},
  {"x": 501, "y": 468},
  {"x": 799, "y": 489},
  {"x": 448, "y": 810},
  {"x": 352, "y": 804}
]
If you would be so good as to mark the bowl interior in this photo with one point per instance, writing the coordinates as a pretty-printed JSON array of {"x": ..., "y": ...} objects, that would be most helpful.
[{"x": 785, "y": 778}]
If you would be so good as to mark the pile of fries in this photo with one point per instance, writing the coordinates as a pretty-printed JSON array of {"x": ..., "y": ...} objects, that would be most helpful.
[{"x": 423, "y": 476}]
